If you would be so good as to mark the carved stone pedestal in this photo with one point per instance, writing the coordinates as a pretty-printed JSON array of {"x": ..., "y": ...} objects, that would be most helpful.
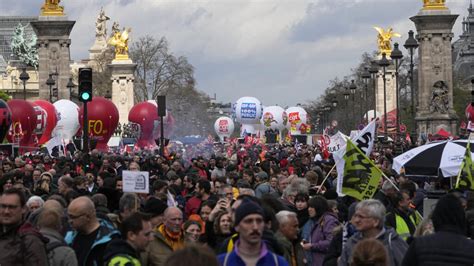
[
  {"x": 435, "y": 71},
  {"x": 122, "y": 87},
  {"x": 53, "y": 52}
]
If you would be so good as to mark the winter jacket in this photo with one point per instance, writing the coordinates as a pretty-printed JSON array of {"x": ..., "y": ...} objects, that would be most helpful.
[
  {"x": 268, "y": 237},
  {"x": 267, "y": 258},
  {"x": 306, "y": 235},
  {"x": 440, "y": 248},
  {"x": 57, "y": 250},
  {"x": 160, "y": 248},
  {"x": 120, "y": 252},
  {"x": 292, "y": 250},
  {"x": 395, "y": 245},
  {"x": 106, "y": 233},
  {"x": 22, "y": 245},
  {"x": 321, "y": 236}
]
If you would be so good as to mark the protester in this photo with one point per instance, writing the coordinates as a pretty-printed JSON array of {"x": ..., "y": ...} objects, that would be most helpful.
[
  {"x": 369, "y": 221},
  {"x": 192, "y": 255},
  {"x": 50, "y": 224},
  {"x": 169, "y": 237},
  {"x": 369, "y": 252},
  {"x": 449, "y": 244},
  {"x": 287, "y": 237},
  {"x": 136, "y": 233},
  {"x": 20, "y": 243},
  {"x": 192, "y": 232},
  {"x": 89, "y": 236},
  {"x": 250, "y": 249}
]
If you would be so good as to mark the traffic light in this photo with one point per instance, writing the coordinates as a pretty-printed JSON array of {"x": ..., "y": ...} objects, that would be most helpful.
[{"x": 85, "y": 84}]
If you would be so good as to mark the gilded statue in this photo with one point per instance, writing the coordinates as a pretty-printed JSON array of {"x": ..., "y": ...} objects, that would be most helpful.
[
  {"x": 384, "y": 40},
  {"x": 434, "y": 4},
  {"x": 120, "y": 41},
  {"x": 52, "y": 8}
]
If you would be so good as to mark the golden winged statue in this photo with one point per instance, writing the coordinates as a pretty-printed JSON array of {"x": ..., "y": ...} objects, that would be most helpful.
[
  {"x": 384, "y": 40},
  {"x": 120, "y": 41},
  {"x": 52, "y": 8},
  {"x": 434, "y": 4}
]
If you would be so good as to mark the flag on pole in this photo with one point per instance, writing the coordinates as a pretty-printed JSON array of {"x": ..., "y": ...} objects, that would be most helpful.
[
  {"x": 361, "y": 177},
  {"x": 364, "y": 142},
  {"x": 464, "y": 180}
]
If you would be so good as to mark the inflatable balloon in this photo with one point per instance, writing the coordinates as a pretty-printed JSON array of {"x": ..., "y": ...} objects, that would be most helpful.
[
  {"x": 297, "y": 120},
  {"x": 23, "y": 123},
  {"x": 5, "y": 119},
  {"x": 68, "y": 119},
  {"x": 103, "y": 118},
  {"x": 248, "y": 110},
  {"x": 168, "y": 120},
  {"x": 274, "y": 117},
  {"x": 470, "y": 116},
  {"x": 48, "y": 120},
  {"x": 146, "y": 115},
  {"x": 224, "y": 127}
]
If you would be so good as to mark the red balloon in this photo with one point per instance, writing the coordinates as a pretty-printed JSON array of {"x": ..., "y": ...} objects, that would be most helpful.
[
  {"x": 146, "y": 115},
  {"x": 103, "y": 117},
  {"x": 23, "y": 123},
  {"x": 51, "y": 118},
  {"x": 5, "y": 119}
]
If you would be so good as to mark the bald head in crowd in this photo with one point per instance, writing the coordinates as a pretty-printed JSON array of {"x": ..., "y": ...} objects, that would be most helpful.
[{"x": 81, "y": 214}]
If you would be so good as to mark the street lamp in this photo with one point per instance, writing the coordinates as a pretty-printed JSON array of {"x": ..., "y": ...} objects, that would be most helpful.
[
  {"x": 411, "y": 44},
  {"x": 24, "y": 77},
  {"x": 50, "y": 82},
  {"x": 374, "y": 70},
  {"x": 397, "y": 55},
  {"x": 70, "y": 85},
  {"x": 365, "y": 77},
  {"x": 334, "y": 102},
  {"x": 353, "y": 89},
  {"x": 384, "y": 63}
]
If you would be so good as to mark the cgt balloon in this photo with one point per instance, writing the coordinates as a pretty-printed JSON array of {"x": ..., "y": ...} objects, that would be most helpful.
[
  {"x": 224, "y": 127},
  {"x": 103, "y": 118},
  {"x": 23, "y": 123},
  {"x": 47, "y": 119},
  {"x": 5, "y": 119}
]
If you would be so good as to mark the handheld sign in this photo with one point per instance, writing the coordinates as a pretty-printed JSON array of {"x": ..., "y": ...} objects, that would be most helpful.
[{"x": 136, "y": 182}]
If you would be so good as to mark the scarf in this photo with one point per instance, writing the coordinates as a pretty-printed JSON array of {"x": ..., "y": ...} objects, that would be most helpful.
[{"x": 174, "y": 240}]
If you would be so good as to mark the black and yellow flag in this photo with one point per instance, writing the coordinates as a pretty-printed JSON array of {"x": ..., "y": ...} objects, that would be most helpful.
[
  {"x": 361, "y": 176},
  {"x": 465, "y": 174}
]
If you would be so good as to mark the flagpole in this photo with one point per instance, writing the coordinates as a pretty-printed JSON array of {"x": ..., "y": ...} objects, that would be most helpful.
[{"x": 324, "y": 180}]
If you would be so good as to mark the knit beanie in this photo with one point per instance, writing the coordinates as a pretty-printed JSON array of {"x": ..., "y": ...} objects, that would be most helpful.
[{"x": 246, "y": 208}]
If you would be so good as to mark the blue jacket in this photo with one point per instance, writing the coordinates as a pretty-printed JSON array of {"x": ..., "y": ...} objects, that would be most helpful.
[
  {"x": 267, "y": 258},
  {"x": 106, "y": 233}
]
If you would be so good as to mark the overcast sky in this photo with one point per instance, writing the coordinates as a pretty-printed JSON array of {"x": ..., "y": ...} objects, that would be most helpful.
[{"x": 280, "y": 51}]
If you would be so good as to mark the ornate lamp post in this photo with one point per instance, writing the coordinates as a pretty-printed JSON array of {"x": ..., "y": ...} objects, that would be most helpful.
[
  {"x": 70, "y": 85},
  {"x": 397, "y": 56},
  {"x": 50, "y": 82},
  {"x": 353, "y": 89},
  {"x": 411, "y": 44},
  {"x": 384, "y": 63},
  {"x": 327, "y": 109},
  {"x": 346, "y": 99},
  {"x": 373, "y": 70},
  {"x": 365, "y": 77},
  {"x": 24, "y": 77}
]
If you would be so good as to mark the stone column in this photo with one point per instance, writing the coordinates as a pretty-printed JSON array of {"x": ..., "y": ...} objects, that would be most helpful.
[
  {"x": 53, "y": 51},
  {"x": 389, "y": 88},
  {"x": 435, "y": 71},
  {"x": 122, "y": 87}
]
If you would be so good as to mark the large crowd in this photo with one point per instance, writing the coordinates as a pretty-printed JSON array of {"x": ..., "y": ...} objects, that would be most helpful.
[{"x": 232, "y": 204}]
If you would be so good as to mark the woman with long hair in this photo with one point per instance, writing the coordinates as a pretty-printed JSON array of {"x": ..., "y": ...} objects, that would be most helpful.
[{"x": 322, "y": 223}]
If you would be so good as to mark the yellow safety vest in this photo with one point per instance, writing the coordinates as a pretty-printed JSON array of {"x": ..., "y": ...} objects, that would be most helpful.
[{"x": 402, "y": 228}]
